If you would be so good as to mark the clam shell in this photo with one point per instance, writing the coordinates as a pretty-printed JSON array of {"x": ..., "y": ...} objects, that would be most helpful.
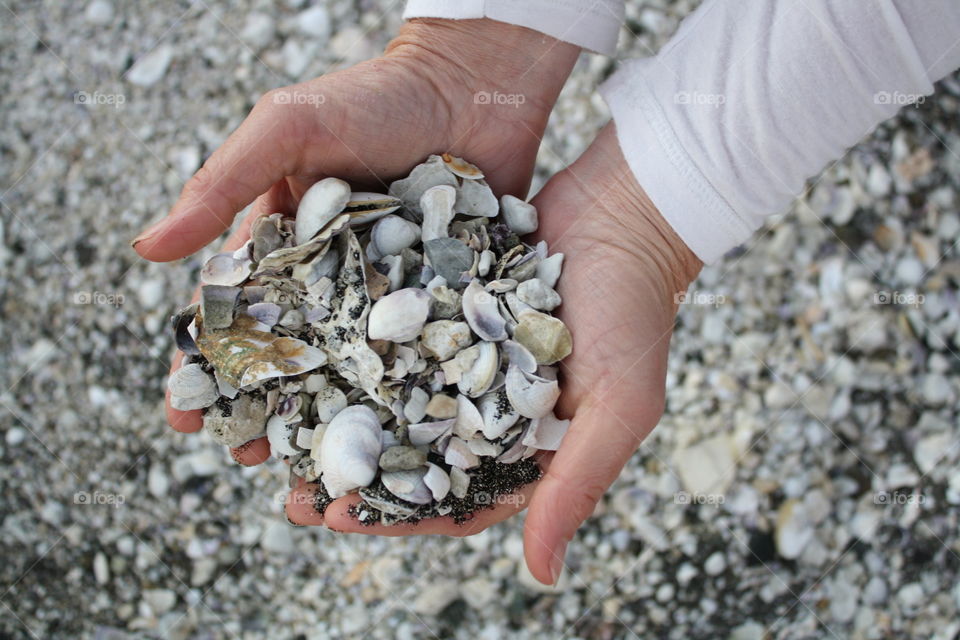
[
  {"x": 247, "y": 421},
  {"x": 408, "y": 485},
  {"x": 437, "y": 481},
  {"x": 547, "y": 338},
  {"x": 458, "y": 454},
  {"x": 497, "y": 413},
  {"x": 279, "y": 434},
  {"x": 460, "y": 167},
  {"x": 192, "y": 388},
  {"x": 531, "y": 396},
  {"x": 479, "y": 364},
  {"x": 399, "y": 316},
  {"x": 319, "y": 205},
  {"x": 442, "y": 339},
  {"x": 468, "y": 422},
  {"x": 437, "y": 207},
  {"x": 415, "y": 409},
  {"x": 475, "y": 198},
  {"x": 513, "y": 453},
  {"x": 483, "y": 313},
  {"x": 387, "y": 506},
  {"x": 546, "y": 433},
  {"x": 284, "y": 258},
  {"x": 225, "y": 270},
  {"x": 431, "y": 173},
  {"x": 459, "y": 482},
  {"x": 520, "y": 216},
  {"x": 421, "y": 433},
  {"x": 350, "y": 450},
  {"x": 266, "y": 313},
  {"x": 365, "y": 207},
  {"x": 265, "y": 235},
  {"x": 516, "y": 353},
  {"x": 392, "y": 234}
]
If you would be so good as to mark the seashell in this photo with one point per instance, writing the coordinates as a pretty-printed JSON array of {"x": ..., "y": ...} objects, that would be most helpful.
[
  {"x": 392, "y": 234},
  {"x": 487, "y": 259},
  {"x": 468, "y": 422},
  {"x": 517, "y": 354},
  {"x": 225, "y": 388},
  {"x": 431, "y": 173},
  {"x": 415, "y": 409},
  {"x": 442, "y": 406},
  {"x": 192, "y": 388},
  {"x": 452, "y": 373},
  {"x": 408, "y": 485},
  {"x": 387, "y": 505},
  {"x": 547, "y": 338},
  {"x": 406, "y": 359},
  {"x": 548, "y": 270},
  {"x": 449, "y": 258},
  {"x": 247, "y": 421},
  {"x": 328, "y": 402},
  {"x": 482, "y": 313},
  {"x": 479, "y": 364},
  {"x": 399, "y": 316},
  {"x": 182, "y": 323},
  {"x": 266, "y": 313},
  {"x": 217, "y": 304},
  {"x": 324, "y": 264},
  {"x": 530, "y": 395},
  {"x": 515, "y": 305},
  {"x": 458, "y": 454},
  {"x": 279, "y": 434},
  {"x": 282, "y": 259},
  {"x": 304, "y": 438},
  {"x": 395, "y": 271},
  {"x": 497, "y": 413},
  {"x": 289, "y": 408},
  {"x": 225, "y": 270},
  {"x": 525, "y": 268},
  {"x": 422, "y": 433},
  {"x": 292, "y": 320},
  {"x": 546, "y": 433},
  {"x": 513, "y": 453},
  {"x": 388, "y": 439},
  {"x": 500, "y": 286},
  {"x": 442, "y": 339},
  {"x": 437, "y": 207},
  {"x": 459, "y": 482},
  {"x": 265, "y": 236},
  {"x": 484, "y": 448},
  {"x": 475, "y": 198},
  {"x": 313, "y": 383},
  {"x": 350, "y": 450},
  {"x": 437, "y": 481},
  {"x": 520, "y": 216},
  {"x": 317, "y": 442},
  {"x": 365, "y": 207},
  {"x": 321, "y": 203},
  {"x": 462, "y": 168},
  {"x": 402, "y": 458},
  {"x": 538, "y": 295}
]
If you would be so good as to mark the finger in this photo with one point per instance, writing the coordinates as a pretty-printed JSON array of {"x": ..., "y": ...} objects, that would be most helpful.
[
  {"x": 252, "y": 453},
  {"x": 604, "y": 433},
  {"x": 262, "y": 151},
  {"x": 300, "y": 507}
]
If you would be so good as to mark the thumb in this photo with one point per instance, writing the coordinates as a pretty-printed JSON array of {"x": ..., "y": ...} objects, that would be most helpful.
[{"x": 264, "y": 149}]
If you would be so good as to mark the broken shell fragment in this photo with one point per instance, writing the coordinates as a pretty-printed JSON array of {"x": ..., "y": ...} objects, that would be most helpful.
[
  {"x": 431, "y": 173},
  {"x": 497, "y": 413},
  {"x": 442, "y": 339},
  {"x": 217, "y": 304},
  {"x": 246, "y": 421},
  {"x": 548, "y": 270},
  {"x": 421, "y": 433},
  {"x": 458, "y": 454},
  {"x": 319, "y": 205},
  {"x": 437, "y": 480},
  {"x": 449, "y": 258},
  {"x": 547, "y": 338},
  {"x": 226, "y": 270},
  {"x": 192, "y": 388},
  {"x": 531, "y": 396},
  {"x": 546, "y": 433},
  {"x": 365, "y": 207},
  {"x": 184, "y": 328},
  {"x": 520, "y": 216},
  {"x": 483, "y": 313},
  {"x": 479, "y": 364},
  {"x": 408, "y": 485},
  {"x": 462, "y": 168},
  {"x": 392, "y": 234},
  {"x": 475, "y": 198},
  {"x": 538, "y": 295},
  {"x": 437, "y": 206},
  {"x": 279, "y": 434},
  {"x": 399, "y": 316},
  {"x": 350, "y": 451}
]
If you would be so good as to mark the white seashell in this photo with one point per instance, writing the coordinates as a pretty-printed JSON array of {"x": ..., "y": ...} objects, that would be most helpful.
[
  {"x": 225, "y": 389},
  {"x": 458, "y": 454},
  {"x": 395, "y": 271},
  {"x": 279, "y": 433},
  {"x": 399, "y": 316},
  {"x": 442, "y": 339},
  {"x": 531, "y": 396},
  {"x": 484, "y": 448},
  {"x": 387, "y": 506},
  {"x": 313, "y": 383},
  {"x": 437, "y": 206},
  {"x": 516, "y": 353},
  {"x": 319, "y": 205},
  {"x": 475, "y": 198},
  {"x": 487, "y": 259},
  {"x": 538, "y": 295},
  {"x": 497, "y": 413},
  {"x": 192, "y": 388},
  {"x": 225, "y": 270},
  {"x": 289, "y": 408},
  {"x": 416, "y": 407},
  {"x": 483, "y": 313},
  {"x": 515, "y": 304},
  {"x": 328, "y": 402},
  {"x": 437, "y": 481},
  {"x": 479, "y": 364},
  {"x": 392, "y": 234},
  {"x": 548, "y": 270},
  {"x": 468, "y": 422},
  {"x": 513, "y": 453},
  {"x": 350, "y": 451},
  {"x": 459, "y": 482},
  {"x": 500, "y": 286},
  {"x": 424, "y": 176},
  {"x": 546, "y": 433},
  {"x": 324, "y": 265},
  {"x": 305, "y": 438},
  {"x": 266, "y": 313},
  {"x": 316, "y": 444},
  {"x": 421, "y": 433},
  {"x": 451, "y": 371},
  {"x": 462, "y": 168},
  {"x": 408, "y": 485},
  {"x": 388, "y": 439},
  {"x": 520, "y": 216}
]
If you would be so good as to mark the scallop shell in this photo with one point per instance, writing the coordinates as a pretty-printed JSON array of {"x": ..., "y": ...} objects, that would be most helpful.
[
  {"x": 520, "y": 216},
  {"x": 399, "y": 316},
  {"x": 319, "y": 205},
  {"x": 437, "y": 207},
  {"x": 483, "y": 313},
  {"x": 350, "y": 450},
  {"x": 479, "y": 364},
  {"x": 192, "y": 388},
  {"x": 497, "y": 413},
  {"x": 546, "y": 433},
  {"x": 408, "y": 485},
  {"x": 530, "y": 395}
]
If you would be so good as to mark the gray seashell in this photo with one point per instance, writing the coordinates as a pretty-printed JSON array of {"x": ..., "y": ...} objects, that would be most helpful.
[
  {"x": 319, "y": 205},
  {"x": 449, "y": 258},
  {"x": 483, "y": 313},
  {"x": 475, "y": 198},
  {"x": 437, "y": 207},
  {"x": 538, "y": 295},
  {"x": 279, "y": 434},
  {"x": 408, "y": 485},
  {"x": 328, "y": 402},
  {"x": 192, "y": 388},
  {"x": 497, "y": 413},
  {"x": 459, "y": 482},
  {"x": 515, "y": 305},
  {"x": 520, "y": 216},
  {"x": 421, "y": 433},
  {"x": 183, "y": 321},
  {"x": 443, "y": 339},
  {"x": 415, "y": 408},
  {"x": 437, "y": 481},
  {"x": 323, "y": 265},
  {"x": 365, "y": 207},
  {"x": 479, "y": 364},
  {"x": 392, "y": 234},
  {"x": 386, "y": 505},
  {"x": 548, "y": 270},
  {"x": 546, "y": 433},
  {"x": 266, "y": 313},
  {"x": 513, "y": 453},
  {"x": 402, "y": 458},
  {"x": 458, "y": 454},
  {"x": 265, "y": 235},
  {"x": 247, "y": 421},
  {"x": 217, "y": 304},
  {"x": 350, "y": 450},
  {"x": 516, "y": 353},
  {"x": 292, "y": 320},
  {"x": 468, "y": 422},
  {"x": 399, "y": 316},
  {"x": 462, "y": 168},
  {"x": 530, "y": 395},
  {"x": 225, "y": 270},
  {"x": 431, "y": 173}
]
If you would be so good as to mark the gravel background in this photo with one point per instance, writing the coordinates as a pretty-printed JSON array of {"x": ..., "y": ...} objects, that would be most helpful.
[{"x": 802, "y": 485}]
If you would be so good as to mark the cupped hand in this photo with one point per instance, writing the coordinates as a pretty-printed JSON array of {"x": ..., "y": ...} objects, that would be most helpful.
[{"x": 623, "y": 270}]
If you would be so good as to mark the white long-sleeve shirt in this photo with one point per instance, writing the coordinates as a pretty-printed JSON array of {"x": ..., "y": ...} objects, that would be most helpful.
[{"x": 750, "y": 97}]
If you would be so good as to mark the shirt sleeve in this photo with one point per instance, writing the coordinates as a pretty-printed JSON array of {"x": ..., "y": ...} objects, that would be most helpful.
[
  {"x": 750, "y": 98},
  {"x": 591, "y": 24}
]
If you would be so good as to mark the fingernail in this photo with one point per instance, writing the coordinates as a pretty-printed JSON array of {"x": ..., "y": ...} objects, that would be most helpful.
[
  {"x": 556, "y": 562},
  {"x": 146, "y": 235}
]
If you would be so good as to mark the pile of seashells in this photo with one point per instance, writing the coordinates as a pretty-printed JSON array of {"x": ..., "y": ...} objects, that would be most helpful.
[{"x": 397, "y": 345}]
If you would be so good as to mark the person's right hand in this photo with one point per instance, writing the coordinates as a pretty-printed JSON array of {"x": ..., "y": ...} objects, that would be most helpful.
[{"x": 435, "y": 90}]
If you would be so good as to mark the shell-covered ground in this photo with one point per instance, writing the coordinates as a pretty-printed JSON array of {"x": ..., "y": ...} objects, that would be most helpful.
[{"x": 803, "y": 484}]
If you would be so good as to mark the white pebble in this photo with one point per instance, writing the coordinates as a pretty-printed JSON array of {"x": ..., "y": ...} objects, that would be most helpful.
[
  {"x": 151, "y": 67},
  {"x": 99, "y": 12}
]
